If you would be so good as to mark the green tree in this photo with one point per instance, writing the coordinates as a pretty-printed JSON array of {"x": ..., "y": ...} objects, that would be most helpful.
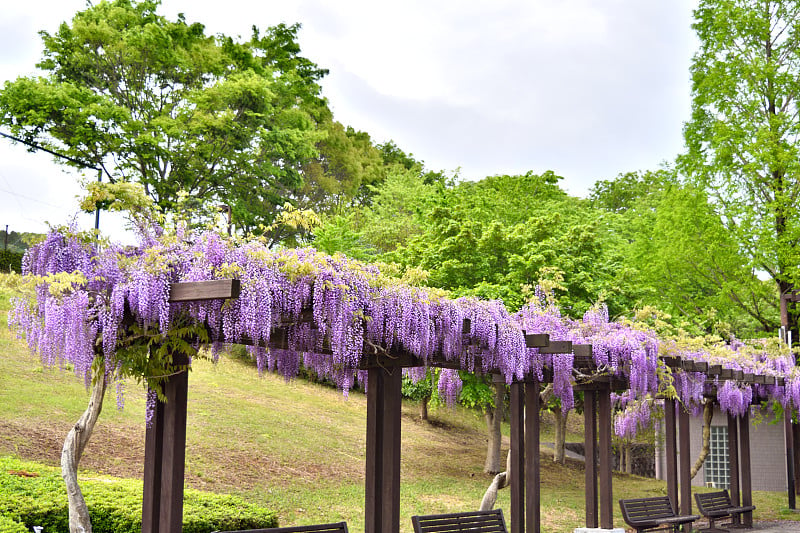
[
  {"x": 680, "y": 257},
  {"x": 343, "y": 173},
  {"x": 159, "y": 102},
  {"x": 500, "y": 236},
  {"x": 743, "y": 143}
]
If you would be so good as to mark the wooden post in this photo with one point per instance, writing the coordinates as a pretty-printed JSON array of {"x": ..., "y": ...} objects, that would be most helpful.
[
  {"x": 165, "y": 438},
  {"x": 604, "y": 435},
  {"x": 532, "y": 459},
  {"x": 165, "y": 457},
  {"x": 382, "y": 498},
  {"x": 744, "y": 449},
  {"x": 789, "y": 436},
  {"x": 795, "y": 440},
  {"x": 517, "y": 472},
  {"x": 590, "y": 456},
  {"x": 787, "y": 426},
  {"x": 733, "y": 461},
  {"x": 154, "y": 438},
  {"x": 685, "y": 462},
  {"x": 671, "y": 452}
]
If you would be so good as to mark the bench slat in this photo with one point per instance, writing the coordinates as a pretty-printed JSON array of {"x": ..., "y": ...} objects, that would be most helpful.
[
  {"x": 471, "y": 522},
  {"x": 650, "y": 513}
]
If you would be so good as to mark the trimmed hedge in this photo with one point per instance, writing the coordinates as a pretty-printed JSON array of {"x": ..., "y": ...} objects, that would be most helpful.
[
  {"x": 34, "y": 495},
  {"x": 7, "y": 525},
  {"x": 10, "y": 261}
]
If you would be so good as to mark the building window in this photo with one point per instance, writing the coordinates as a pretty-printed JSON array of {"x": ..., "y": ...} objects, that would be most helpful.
[{"x": 717, "y": 468}]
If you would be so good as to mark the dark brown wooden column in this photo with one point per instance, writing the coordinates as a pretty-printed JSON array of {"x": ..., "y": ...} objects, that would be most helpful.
[
  {"x": 671, "y": 452},
  {"x": 517, "y": 472},
  {"x": 685, "y": 465},
  {"x": 590, "y": 455},
  {"x": 154, "y": 437},
  {"x": 733, "y": 461},
  {"x": 532, "y": 459},
  {"x": 165, "y": 457},
  {"x": 604, "y": 444},
  {"x": 744, "y": 450},
  {"x": 789, "y": 436},
  {"x": 796, "y": 440},
  {"x": 382, "y": 499}
]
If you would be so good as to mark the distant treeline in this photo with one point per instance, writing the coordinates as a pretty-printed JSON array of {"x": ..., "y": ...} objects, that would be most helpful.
[{"x": 12, "y": 248}]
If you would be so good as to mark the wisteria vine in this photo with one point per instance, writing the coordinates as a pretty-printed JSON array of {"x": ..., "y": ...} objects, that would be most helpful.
[{"x": 91, "y": 304}]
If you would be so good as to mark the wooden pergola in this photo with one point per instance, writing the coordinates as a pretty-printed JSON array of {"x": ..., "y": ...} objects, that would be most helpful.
[
  {"x": 165, "y": 443},
  {"x": 677, "y": 422}
]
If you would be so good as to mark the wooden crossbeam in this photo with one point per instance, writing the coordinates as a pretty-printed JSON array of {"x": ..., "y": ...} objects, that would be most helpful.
[{"x": 190, "y": 291}]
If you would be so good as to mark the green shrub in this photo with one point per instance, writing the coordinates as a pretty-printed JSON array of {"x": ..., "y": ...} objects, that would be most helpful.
[
  {"x": 115, "y": 505},
  {"x": 8, "y": 525},
  {"x": 10, "y": 261}
]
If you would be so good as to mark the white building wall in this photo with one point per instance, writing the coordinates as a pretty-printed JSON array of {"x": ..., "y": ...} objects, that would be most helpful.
[{"x": 767, "y": 452}]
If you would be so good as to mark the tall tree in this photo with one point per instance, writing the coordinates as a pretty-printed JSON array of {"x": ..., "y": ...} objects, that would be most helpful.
[
  {"x": 159, "y": 102},
  {"x": 680, "y": 256},
  {"x": 743, "y": 140}
]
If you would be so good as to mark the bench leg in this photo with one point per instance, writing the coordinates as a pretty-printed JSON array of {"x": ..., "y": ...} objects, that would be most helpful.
[{"x": 712, "y": 527}]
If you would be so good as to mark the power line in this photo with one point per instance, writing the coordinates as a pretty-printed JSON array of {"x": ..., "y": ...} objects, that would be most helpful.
[
  {"x": 49, "y": 151},
  {"x": 68, "y": 158},
  {"x": 12, "y": 193}
]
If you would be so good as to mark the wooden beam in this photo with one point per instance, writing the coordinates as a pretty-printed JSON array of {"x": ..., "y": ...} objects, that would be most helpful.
[
  {"x": 556, "y": 347},
  {"x": 189, "y": 291},
  {"x": 517, "y": 472},
  {"x": 590, "y": 456},
  {"x": 533, "y": 470},
  {"x": 536, "y": 340},
  {"x": 382, "y": 485},
  {"x": 605, "y": 462},
  {"x": 582, "y": 350}
]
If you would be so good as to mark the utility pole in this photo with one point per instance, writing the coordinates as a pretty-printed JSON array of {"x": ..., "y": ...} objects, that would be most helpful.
[
  {"x": 97, "y": 209},
  {"x": 5, "y": 239}
]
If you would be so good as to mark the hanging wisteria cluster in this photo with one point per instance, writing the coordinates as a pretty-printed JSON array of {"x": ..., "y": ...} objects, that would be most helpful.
[{"x": 90, "y": 303}]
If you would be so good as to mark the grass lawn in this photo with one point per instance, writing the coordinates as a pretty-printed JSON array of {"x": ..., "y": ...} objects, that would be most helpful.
[{"x": 295, "y": 447}]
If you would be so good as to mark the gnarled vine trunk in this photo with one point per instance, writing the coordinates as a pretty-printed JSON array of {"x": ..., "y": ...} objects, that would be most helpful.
[
  {"x": 708, "y": 414},
  {"x": 75, "y": 443},
  {"x": 503, "y": 479},
  {"x": 559, "y": 455},
  {"x": 494, "y": 418}
]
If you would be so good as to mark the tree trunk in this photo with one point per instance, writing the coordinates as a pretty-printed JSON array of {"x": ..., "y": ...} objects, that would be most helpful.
[
  {"x": 628, "y": 447},
  {"x": 494, "y": 417},
  {"x": 503, "y": 479},
  {"x": 708, "y": 414},
  {"x": 561, "y": 435},
  {"x": 423, "y": 408},
  {"x": 75, "y": 443}
]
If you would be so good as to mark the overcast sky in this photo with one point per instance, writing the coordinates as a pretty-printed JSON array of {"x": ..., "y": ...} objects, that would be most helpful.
[{"x": 586, "y": 88}]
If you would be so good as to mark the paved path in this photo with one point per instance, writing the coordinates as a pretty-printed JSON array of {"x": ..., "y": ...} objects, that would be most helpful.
[{"x": 782, "y": 526}]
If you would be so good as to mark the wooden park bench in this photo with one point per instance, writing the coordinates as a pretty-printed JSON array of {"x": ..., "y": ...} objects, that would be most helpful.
[
  {"x": 717, "y": 505},
  {"x": 644, "y": 514},
  {"x": 337, "y": 527},
  {"x": 468, "y": 522}
]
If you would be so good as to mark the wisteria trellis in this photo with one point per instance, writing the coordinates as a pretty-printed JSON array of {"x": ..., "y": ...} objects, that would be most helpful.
[{"x": 79, "y": 320}]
